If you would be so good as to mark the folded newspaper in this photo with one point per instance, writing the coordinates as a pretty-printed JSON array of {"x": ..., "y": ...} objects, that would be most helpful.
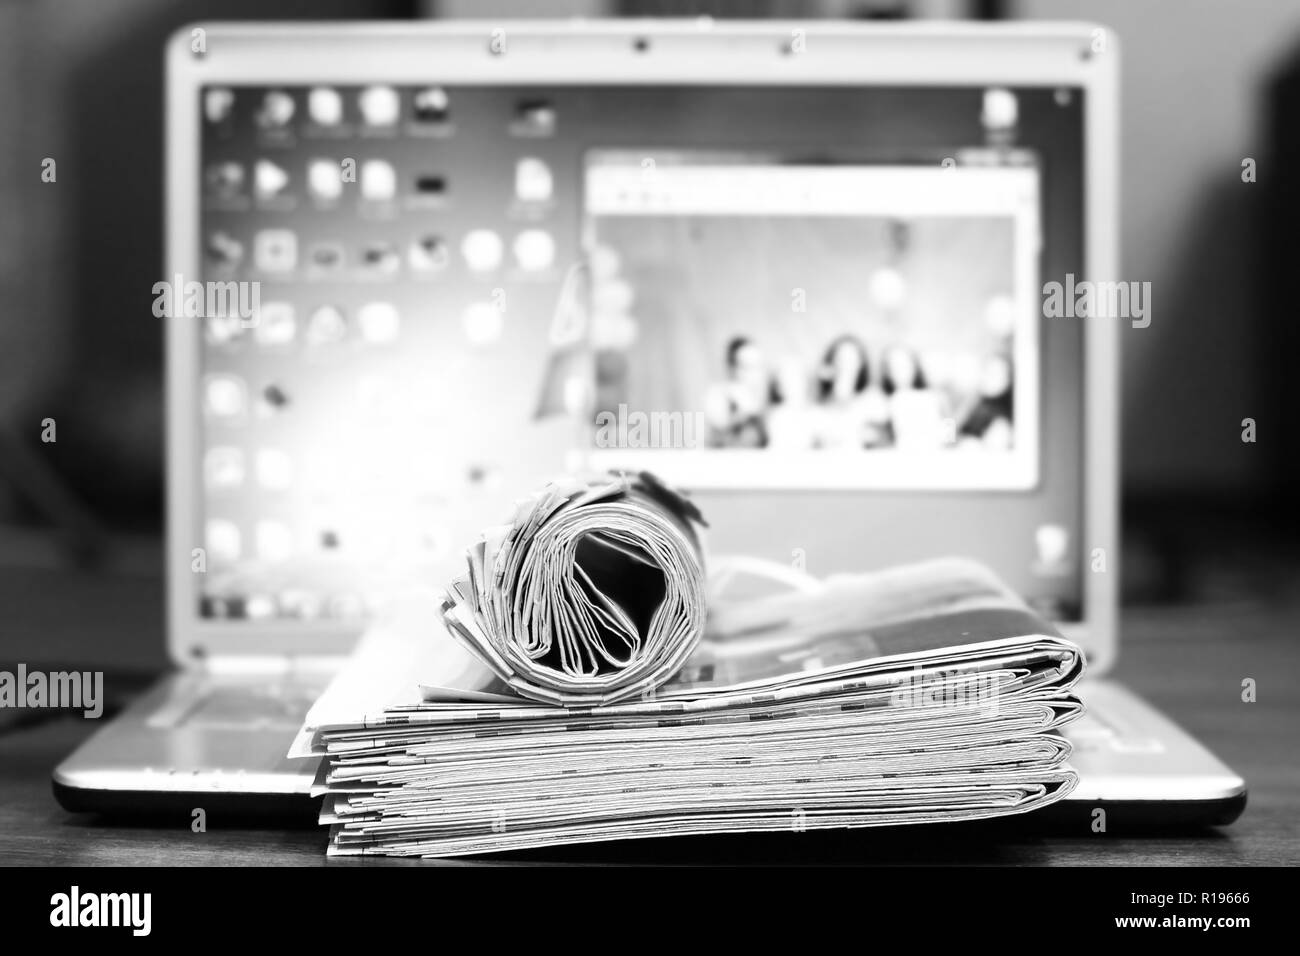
[
  {"x": 541, "y": 701},
  {"x": 592, "y": 593}
]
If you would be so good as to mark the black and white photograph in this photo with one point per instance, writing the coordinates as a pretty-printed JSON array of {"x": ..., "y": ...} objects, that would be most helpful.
[{"x": 599, "y": 434}]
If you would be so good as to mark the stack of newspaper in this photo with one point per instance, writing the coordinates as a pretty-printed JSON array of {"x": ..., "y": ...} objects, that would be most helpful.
[{"x": 920, "y": 694}]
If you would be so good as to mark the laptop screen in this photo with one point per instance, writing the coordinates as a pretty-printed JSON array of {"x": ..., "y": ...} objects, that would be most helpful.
[{"x": 818, "y": 309}]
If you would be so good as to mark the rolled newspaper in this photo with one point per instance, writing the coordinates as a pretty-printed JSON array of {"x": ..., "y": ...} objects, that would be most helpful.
[{"x": 593, "y": 592}]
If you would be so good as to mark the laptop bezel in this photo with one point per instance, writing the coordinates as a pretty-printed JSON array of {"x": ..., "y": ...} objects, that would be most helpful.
[{"x": 627, "y": 52}]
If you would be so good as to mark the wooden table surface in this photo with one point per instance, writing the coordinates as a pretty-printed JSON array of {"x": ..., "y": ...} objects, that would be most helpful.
[{"x": 1188, "y": 660}]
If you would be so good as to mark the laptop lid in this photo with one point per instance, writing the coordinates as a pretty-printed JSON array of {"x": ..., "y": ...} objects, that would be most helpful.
[{"x": 798, "y": 268}]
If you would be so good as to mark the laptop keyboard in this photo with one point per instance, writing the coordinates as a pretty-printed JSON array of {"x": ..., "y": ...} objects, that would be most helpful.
[
  {"x": 1093, "y": 732},
  {"x": 241, "y": 706}
]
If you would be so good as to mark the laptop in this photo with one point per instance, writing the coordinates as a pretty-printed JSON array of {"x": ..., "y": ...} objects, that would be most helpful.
[{"x": 852, "y": 258}]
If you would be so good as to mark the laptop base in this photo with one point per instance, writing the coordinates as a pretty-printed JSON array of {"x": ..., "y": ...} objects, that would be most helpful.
[
  {"x": 164, "y": 809},
  {"x": 194, "y": 741}
]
